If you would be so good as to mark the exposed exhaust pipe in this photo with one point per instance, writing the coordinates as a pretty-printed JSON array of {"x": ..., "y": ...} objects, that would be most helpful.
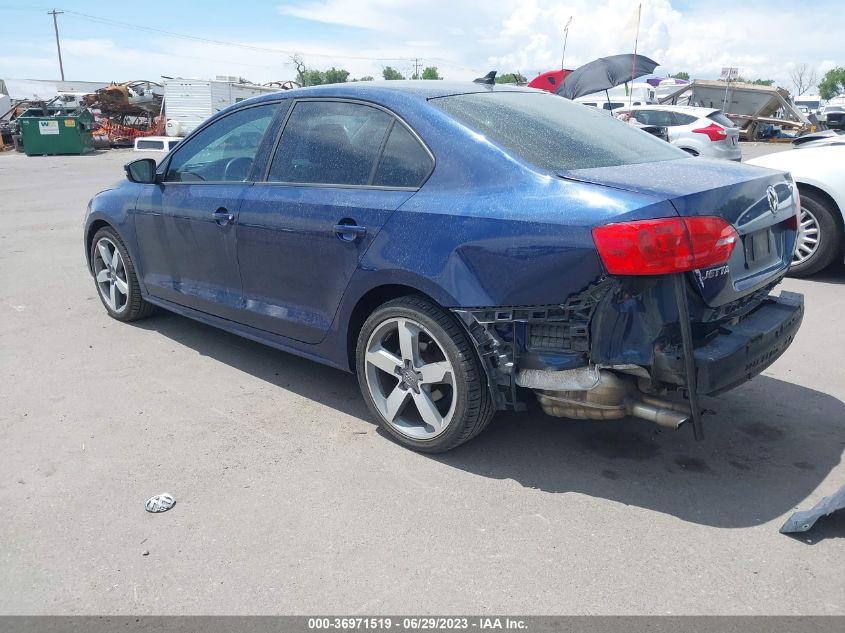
[{"x": 599, "y": 394}]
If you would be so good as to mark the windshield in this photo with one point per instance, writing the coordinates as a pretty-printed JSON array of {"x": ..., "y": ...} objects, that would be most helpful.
[{"x": 555, "y": 133}]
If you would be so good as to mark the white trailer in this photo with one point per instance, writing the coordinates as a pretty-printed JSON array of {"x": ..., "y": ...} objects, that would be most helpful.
[{"x": 189, "y": 102}]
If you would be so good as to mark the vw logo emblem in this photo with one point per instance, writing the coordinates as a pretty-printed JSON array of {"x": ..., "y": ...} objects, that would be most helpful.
[
  {"x": 772, "y": 197},
  {"x": 160, "y": 503}
]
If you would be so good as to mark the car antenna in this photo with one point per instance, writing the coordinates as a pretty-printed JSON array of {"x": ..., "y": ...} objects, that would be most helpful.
[{"x": 489, "y": 79}]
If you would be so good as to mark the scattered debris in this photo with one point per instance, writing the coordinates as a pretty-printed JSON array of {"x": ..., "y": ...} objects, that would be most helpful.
[
  {"x": 759, "y": 111},
  {"x": 804, "y": 520},
  {"x": 146, "y": 552},
  {"x": 160, "y": 503}
]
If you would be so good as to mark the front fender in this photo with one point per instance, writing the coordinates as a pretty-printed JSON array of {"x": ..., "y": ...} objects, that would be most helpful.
[{"x": 114, "y": 207}]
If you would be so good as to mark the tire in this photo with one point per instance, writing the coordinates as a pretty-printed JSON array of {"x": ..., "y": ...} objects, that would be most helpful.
[
  {"x": 817, "y": 215},
  {"x": 111, "y": 282},
  {"x": 411, "y": 356}
]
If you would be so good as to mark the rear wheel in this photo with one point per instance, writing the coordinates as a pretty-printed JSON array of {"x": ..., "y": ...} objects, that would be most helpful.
[
  {"x": 114, "y": 275},
  {"x": 819, "y": 237},
  {"x": 421, "y": 377}
]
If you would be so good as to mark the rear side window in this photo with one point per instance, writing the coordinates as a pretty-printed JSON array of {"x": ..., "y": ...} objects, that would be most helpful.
[
  {"x": 683, "y": 119},
  {"x": 663, "y": 118},
  {"x": 721, "y": 119},
  {"x": 404, "y": 163},
  {"x": 330, "y": 143}
]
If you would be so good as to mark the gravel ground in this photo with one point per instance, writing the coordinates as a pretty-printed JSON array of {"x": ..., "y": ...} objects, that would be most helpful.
[{"x": 289, "y": 500}]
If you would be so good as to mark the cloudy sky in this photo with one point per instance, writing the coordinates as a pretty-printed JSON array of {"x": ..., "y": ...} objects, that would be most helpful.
[{"x": 118, "y": 41}]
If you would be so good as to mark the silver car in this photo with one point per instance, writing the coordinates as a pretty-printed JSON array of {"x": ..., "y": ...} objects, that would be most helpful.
[{"x": 699, "y": 131}]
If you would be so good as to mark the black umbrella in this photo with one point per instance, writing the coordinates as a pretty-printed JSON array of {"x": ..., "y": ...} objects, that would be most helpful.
[{"x": 605, "y": 73}]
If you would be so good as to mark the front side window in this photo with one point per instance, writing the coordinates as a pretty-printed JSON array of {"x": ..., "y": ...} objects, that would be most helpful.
[
  {"x": 330, "y": 143},
  {"x": 225, "y": 150}
]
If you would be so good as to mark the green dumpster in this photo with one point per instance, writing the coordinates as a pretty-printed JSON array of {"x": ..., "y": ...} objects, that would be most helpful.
[{"x": 56, "y": 131}]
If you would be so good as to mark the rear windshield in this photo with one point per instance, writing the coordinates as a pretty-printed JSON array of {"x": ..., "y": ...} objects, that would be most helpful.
[
  {"x": 555, "y": 133},
  {"x": 721, "y": 119}
]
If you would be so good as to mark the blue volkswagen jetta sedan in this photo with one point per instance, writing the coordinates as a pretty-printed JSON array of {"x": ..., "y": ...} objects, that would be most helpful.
[{"x": 459, "y": 246}]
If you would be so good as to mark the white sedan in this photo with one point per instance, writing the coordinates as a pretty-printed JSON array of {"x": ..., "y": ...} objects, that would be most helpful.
[{"x": 819, "y": 172}]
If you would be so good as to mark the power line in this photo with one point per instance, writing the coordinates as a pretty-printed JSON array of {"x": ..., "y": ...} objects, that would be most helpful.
[
  {"x": 183, "y": 36},
  {"x": 206, "y": 40}
]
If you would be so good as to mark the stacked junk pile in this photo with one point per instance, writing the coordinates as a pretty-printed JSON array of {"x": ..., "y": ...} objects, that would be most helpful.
[
  {"x": 127, "y": 111},
  {"x": 117, "y": 114},
  {"x": 761, "y": 112}
]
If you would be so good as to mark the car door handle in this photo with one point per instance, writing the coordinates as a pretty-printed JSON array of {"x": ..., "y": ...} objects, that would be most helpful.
[
  {"x": 223, "y": 217},
  {"x": 349, "y": 231}
]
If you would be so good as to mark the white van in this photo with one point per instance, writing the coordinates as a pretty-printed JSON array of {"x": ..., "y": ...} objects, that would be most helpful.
[{"x": 155, "y": 143}]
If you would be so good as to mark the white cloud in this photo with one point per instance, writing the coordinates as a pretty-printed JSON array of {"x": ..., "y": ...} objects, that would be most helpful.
[{"x": 466, "y": 39}]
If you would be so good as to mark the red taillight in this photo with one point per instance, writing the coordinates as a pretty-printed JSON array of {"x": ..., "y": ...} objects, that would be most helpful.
[
  {"x": 664, "y": 246},
  {"x": 714, "y": 132}
]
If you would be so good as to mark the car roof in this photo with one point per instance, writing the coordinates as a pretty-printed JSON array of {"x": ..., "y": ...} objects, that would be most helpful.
[{"x": 376, "y": 90}]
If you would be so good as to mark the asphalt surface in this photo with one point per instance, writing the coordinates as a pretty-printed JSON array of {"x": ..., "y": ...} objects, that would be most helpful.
[{"x": 289, "y": 500}]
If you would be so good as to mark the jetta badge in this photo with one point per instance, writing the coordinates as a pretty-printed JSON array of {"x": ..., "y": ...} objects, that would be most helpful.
[{"x": 772, "y": 197}]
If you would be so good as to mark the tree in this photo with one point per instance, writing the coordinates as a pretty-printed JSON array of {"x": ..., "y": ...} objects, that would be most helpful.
[
  {"x": 833, "y": 83},
  {"x": 311, "y": 77},
  {"x": 803, "y": 78},
  {"x": 365, "y": 78},
  {"x": 511, "y": 78},
  {"x": 755, "y": 82},
  {"x": 431, "y": 73},
  {"x": 335, "y": 76},
  {"x": 296, "y": 60},
  {"x": 390, "y": 73},
  {"x": 681, "y": 75}
]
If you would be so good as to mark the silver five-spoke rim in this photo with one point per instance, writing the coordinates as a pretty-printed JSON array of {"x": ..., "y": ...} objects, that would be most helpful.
[
  {"x": 110, "y": 272},
  {"x": 808, "y": 238},
  {"x": 410, "y": 379}
]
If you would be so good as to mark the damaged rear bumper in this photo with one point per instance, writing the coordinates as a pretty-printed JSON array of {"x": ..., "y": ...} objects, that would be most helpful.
[
  {"x": 739, "y": 351},
  {"x": 616, "y": 348}
]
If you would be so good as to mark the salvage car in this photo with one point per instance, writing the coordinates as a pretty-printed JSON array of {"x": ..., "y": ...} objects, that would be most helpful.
[
  {"x": 459, "y": 246},
  {"x": 817, "y": 166}
]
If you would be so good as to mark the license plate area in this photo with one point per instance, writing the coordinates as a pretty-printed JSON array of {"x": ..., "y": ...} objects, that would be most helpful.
[{"x": 758, "y": 248}]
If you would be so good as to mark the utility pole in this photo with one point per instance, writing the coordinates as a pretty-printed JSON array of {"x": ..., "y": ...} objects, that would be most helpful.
[
  {"x": 54, "y": 13},
  {"x": 416, "y": 68}
]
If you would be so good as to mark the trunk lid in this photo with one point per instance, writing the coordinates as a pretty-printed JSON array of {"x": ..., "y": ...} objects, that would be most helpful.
[{"x": 758, "y": 202}]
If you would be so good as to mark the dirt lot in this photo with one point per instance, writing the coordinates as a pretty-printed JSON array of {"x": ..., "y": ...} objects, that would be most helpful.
[{"x": 290, "y": 501}]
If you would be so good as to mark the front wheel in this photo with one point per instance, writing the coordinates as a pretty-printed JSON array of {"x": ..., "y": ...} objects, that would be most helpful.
[
  {"x": 819, "y": 237},
  {"x": 421, "y": 377},
  {"x": 114, "y": 274}
]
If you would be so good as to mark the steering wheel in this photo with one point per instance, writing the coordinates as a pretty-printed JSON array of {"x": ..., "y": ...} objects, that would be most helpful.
[{"x": 237, "y": 168}]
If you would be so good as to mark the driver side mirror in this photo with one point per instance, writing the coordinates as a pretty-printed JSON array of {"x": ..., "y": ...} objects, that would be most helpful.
[{"x": 142, "y": 171}]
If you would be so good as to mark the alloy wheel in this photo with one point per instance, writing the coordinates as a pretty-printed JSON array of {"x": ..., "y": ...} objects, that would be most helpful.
[
  {"x": 110, "y": 273},
  {"x": 410, "y": 378},
  {"x": 807, "y": 241}
]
